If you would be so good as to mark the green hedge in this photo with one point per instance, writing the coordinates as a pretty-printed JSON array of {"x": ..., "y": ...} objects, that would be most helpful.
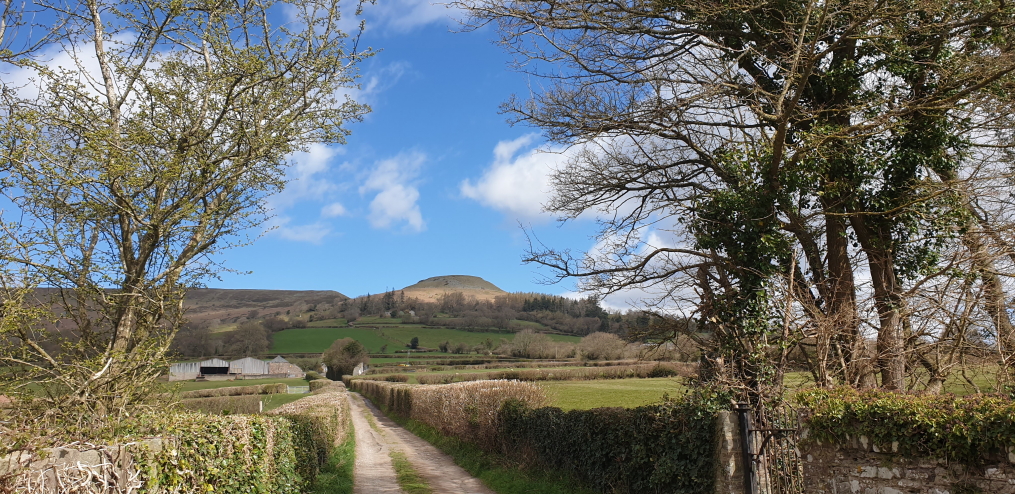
[
  {"x": 224, "y": 404},
  {"x": 669, "y": 447},
  {"x": 261, "y": 389},
  {"x": 970, "y": 430},
  {"x": 223, "y": 454}
]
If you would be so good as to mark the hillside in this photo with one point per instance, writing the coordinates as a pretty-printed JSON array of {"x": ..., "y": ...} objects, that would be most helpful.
[
  {"x": 206, "y": 304},
  {"x": 431, "y": 289}
]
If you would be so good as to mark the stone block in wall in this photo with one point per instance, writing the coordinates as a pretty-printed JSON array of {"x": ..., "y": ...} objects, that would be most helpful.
[
  {"x": 106, "y": 469},
  {"x": 729, "y": 468},
  {"x": 843, "y": 469}
]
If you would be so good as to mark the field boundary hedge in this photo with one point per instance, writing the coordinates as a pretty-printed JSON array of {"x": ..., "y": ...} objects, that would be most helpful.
[
  {"x": 658, "y": 369},
  {"x": 668, "y": 447},
  {"x": 970, "y": 430},
  {"x": 258, "y": 389},
  {"x": 280, "y": 452}
]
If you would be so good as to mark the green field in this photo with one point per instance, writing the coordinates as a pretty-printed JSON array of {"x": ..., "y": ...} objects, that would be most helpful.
[
  {"x": 432, "y": 337},
  {"x": 395, "y": 336},
  {"x": 317, "y": 340},
  {"x": 628, "y": 393}
]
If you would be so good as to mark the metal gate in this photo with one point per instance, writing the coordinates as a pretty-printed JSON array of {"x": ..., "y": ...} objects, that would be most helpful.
[{"x": 769, "y": 443}]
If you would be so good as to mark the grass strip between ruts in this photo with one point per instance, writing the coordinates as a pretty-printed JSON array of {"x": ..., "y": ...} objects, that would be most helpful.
[
  {"x": 408, "y": 478},
  {"x": 491, "y": 469},
  {"x": 335, "y": 476}
]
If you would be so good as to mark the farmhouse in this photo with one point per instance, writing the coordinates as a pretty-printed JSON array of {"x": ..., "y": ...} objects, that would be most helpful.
[{"x": 244, "y": 368}]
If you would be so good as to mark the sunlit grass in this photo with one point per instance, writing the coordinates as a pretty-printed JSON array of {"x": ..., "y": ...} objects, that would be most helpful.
[{"x": 628, "y": 393}]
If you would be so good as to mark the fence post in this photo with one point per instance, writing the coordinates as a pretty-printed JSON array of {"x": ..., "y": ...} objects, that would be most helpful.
[{"x": 744, "y": 412}]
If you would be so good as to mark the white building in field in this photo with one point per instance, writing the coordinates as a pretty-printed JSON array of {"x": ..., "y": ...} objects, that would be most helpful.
[{"x": 244, "y": 368}]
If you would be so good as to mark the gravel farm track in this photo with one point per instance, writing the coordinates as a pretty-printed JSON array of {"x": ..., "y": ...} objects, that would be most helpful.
[{"x": 373, "y": 472}]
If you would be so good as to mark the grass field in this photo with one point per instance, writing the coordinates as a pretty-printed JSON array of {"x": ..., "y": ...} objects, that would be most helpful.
[
  {"x": 431, "y": 337},
  {"x": 395, "y": 336},
  {"x": 313, "y": 340},
  {"x": 272, "y": 402},
  {"x": 628, "y": 393}
]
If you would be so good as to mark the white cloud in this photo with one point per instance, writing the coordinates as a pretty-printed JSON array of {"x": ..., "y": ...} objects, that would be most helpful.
[
  {"x": 516, "y": 183},
  {"x": 401, "y": 16},
  {"x": 307, "y": 177},
  {"x": 396, "y": 199},
  {"x": 334, "y": 209},
  {"x": 312, "y": 233}
]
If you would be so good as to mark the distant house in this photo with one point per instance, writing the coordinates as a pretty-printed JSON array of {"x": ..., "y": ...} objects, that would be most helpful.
[{"x": 244, "y": 368}]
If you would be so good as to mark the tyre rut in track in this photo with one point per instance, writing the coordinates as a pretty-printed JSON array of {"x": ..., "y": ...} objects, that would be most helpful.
[{"x": 373, "y": 472}]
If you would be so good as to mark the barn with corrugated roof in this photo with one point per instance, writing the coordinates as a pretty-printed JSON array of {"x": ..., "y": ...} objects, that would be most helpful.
[{"x": 244, "y": 368}]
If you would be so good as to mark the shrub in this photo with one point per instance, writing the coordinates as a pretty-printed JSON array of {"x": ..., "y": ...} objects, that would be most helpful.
[
  {"x": 224, "y": 404},
  {"x": 667, "y": 447},
  {"x": 312, "y": 376},
  {"x": 318, "y": 421},
  {"x": 397, "y": 378},
  {"x": 319, "y": 384},
  {"x": 465, "y": 410},
  {"x": 263, "y": 389},
  {"x": 965, "y": 429}
]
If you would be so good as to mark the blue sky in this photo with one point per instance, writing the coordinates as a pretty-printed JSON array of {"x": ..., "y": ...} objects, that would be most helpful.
[{"x": 433, "y": 182}]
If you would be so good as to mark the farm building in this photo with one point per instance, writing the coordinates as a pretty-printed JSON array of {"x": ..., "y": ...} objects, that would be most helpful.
[{"x": 244, "y": 368}]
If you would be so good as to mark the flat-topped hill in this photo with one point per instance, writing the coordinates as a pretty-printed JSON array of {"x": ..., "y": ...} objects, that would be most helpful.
[{"x": 432, "y": 288}]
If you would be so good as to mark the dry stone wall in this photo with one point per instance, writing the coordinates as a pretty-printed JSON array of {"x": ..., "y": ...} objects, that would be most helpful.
[{"x": 861, "y": 468}]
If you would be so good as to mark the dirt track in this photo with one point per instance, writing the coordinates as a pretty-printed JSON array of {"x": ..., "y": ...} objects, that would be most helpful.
[{"x": 373, "y": 472}]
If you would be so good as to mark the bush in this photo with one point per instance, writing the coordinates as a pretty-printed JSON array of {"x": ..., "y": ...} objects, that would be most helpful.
[
  {"x": 312, "y": 376},
  {"x": 396, "y": 378},
  {"x": 651, "y": 449},
  {"x": 262, "y": 389},
  {"x": 224, "y": 404},
  {"x": 964, "y": 429},
  {"x": 465, "y": 410},
  {"x": 318, "y": 421},
  {"x": 319, "y": 384}
]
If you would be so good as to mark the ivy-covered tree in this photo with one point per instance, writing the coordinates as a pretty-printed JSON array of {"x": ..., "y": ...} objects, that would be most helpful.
[{"x": 807, "y": 170}]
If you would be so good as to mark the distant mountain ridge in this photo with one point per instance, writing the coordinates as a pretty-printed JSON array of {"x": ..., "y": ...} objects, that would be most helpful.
[{"x": 203, "y": 304}]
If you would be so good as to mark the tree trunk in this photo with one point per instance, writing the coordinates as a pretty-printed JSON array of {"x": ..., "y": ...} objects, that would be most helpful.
[{"x": 889, "y": 303}]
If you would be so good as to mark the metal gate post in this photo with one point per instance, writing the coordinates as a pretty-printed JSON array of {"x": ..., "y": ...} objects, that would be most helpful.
[{"x": 744, "y": 414}]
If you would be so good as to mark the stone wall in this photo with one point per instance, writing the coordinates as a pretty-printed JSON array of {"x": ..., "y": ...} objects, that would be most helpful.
[
  {"x": 862, "y": 468},
  {"x": 107, "y": 469}
]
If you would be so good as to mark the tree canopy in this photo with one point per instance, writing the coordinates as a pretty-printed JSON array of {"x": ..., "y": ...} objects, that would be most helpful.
[
  {"x": 147, "y": 149},
  {"x": 830, "y": 177}
]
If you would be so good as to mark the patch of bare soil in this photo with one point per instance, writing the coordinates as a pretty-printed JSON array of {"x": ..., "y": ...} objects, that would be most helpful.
[{"x": 373, "y": 472}]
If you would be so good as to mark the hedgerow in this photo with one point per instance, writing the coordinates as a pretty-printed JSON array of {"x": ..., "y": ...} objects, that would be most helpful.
[
  {"x": 965, "y": 429},
  {"x": 661, "y": 369},
  {"x": 223, "y": 404},
  {"x": 261, "y": 389},
  {"x": 466, "y": 410},
  {"x": 256, "y": 454},
  {"x": 667, "y": 447}
]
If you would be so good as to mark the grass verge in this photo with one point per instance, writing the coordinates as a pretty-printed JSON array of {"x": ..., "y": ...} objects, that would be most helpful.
[
  {"x": 408, "y": 478},
  {"x": 495, "y": 471},
  {"x": 336, "y": 475}
]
